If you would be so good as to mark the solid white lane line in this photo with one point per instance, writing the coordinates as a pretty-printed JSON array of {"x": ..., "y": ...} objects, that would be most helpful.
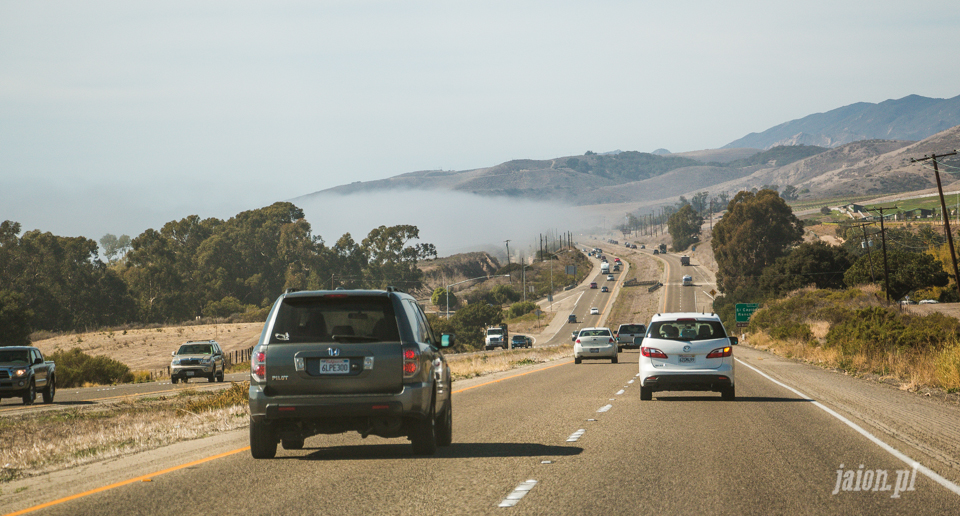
[
  {"x": 932, "y": 475},
  {"x": 513, "y": 498}
]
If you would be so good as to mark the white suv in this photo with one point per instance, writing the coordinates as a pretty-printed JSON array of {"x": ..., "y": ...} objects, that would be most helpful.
[{"x": 687, "y": 352}]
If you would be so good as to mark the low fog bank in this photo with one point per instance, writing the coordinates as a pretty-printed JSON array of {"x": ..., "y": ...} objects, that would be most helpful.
[{"x": 454, "y": 222}]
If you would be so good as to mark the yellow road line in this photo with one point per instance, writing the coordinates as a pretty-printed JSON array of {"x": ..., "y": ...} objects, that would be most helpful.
[{"x": 144, "y": 478}]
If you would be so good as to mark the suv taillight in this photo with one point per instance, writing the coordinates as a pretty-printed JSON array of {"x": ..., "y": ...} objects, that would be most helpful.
[
  {"x": 652, "y": 353},
  {"x": 258, "y": 366},
  {"x": 720, "y": 352},
  {"x": 411, "y": 362}
]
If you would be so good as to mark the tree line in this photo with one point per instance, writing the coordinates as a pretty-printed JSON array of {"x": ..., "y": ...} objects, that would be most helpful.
[
  {"x": 760, "y": 256},
  {"x": 189, "y": 268}
]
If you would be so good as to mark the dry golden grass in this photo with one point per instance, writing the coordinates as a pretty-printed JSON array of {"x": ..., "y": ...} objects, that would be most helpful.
[
  {"x": 910, "y": 370},
  {"x": 38, "y": 443},
  {"x": 471, "y": 365}
]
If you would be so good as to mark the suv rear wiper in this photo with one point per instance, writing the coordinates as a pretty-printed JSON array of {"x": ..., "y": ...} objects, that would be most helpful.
[{"x": 354, "y": 338}]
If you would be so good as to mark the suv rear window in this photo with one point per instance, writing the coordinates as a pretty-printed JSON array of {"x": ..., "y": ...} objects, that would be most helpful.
[
  {"x": 630, "y": 328},
  {"x": 687, "y": 330},
  {"x": 343, "y": 319}
]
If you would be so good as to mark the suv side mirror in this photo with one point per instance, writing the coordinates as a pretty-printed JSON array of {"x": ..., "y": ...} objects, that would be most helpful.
[
  {"x": 734, "y": 341},
  {"x": 447, "y": 340},
  {"x": 173, "y": 353}
]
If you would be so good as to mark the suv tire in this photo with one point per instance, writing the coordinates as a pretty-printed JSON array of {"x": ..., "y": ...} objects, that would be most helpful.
[
  {"x": 646, "y": 394},
  {"x": 51, "y": 390},
  {"x": 615, "y": 360},
  {"x": 445, "y": 425},
  {"x": 577, "y": 360},
  {"x": 424, "y": 434},
  {"x": 220, "y": 376},
  {"x": 728, "y": 393},
  {"x": 31, "y": 394},
  {"x": 174, "y": 380},
  {"x": 263, "y": 441},
  {"x": 213, "y": 376}
]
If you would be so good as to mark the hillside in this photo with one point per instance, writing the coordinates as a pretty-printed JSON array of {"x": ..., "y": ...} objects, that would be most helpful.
[
  {"x": 862, "y": 149},
  {"x": 910, "y": 118}
]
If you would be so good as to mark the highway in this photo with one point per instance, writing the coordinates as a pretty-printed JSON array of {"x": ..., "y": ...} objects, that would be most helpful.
[{"x": 563, "y": 439}]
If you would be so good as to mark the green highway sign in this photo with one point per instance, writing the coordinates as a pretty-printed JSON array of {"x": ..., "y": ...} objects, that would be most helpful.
[{"x": 745, "y": 310}]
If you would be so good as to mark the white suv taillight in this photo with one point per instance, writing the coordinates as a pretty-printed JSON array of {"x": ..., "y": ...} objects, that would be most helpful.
[
  {"x": 720, "y": 352},
  {"x": 652, "y": 353},
  {"x": 258, "y": 366},
  {"x": 411, "y": 362}
]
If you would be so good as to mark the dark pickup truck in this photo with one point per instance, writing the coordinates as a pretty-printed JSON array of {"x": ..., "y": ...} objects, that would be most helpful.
[
  {"x": 337, "y": 361},
  {"x": 23, "y": 372}
]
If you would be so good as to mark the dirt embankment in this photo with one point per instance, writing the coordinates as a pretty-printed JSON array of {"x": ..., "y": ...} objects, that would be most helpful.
[{"x": 149, "y": 349}]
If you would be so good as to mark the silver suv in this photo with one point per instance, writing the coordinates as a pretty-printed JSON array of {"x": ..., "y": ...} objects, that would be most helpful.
[
  {"x": 197, "y": 359},
  {"x": 340, "y": 361}
]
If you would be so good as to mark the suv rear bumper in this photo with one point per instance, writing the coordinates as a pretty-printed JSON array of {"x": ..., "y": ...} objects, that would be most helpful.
[
  {"x": 413, "y": 401},
  {"x": 687, "y": 382}
]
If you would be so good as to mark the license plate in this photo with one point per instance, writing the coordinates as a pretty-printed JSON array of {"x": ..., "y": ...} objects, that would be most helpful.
[
  {"x": 334, "y": 366},
  {"x": 189, "y": 373},
  {"x": 594, "y": 350},
  {"x": 685, "y": 359}
]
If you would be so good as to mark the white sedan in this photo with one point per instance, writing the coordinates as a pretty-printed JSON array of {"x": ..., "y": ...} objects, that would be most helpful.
[
  {"x": 594, "y": 311},
  {"x": 687, "y": 352}
]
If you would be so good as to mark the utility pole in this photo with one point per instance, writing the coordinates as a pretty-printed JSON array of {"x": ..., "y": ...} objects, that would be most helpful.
[
  {"x": 866, "y": 242},
  {"x": 883, "y": 241},
  {"x": 943, "y": 206},
  {"x": 508, "y": 251}
]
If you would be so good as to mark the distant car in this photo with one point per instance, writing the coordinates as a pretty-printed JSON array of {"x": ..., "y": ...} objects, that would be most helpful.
[
  {"x": 595, "y": 343},
  {"x": 630, "y": 335},
  {"x": 687, "y": 281},
  {"x": 907, "y": 302},
  {"x": 616, "y": 260},
  {"x": 593, "y": 284},
  {"x": 520, "y": 341},
  {"x": 572, "y": 318},
  {"x": 633, "y": 246},
  {"x": 656, "y": 252},
  {"x": 604, "y": 289},
  {"x": 642, "y": 246},
  {"x": 610, "y": 277},
  {"x": 687, "y": 352},
  {"x": 929, "y": 302},
  {"x": 594, "y": 311}
]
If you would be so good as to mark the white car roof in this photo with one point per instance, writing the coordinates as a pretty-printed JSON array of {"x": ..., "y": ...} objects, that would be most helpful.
[{"x": 673, "y": 316}]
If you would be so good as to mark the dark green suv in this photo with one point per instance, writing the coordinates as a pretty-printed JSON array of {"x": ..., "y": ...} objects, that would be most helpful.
[{"x": 338, "y": 361}]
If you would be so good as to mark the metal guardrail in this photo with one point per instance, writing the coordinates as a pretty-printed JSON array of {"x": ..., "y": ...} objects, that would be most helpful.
[{"x": 655, "y": 287}]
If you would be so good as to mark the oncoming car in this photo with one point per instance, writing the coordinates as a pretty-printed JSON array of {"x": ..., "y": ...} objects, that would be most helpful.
[
  {"x": 687, "y": 281},
  {"x": 687, "y": 352},
  {"x": 604, "y": 289}
]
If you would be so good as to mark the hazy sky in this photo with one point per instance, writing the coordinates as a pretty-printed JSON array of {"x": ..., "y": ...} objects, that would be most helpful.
[{"x": 117, "y": 116}]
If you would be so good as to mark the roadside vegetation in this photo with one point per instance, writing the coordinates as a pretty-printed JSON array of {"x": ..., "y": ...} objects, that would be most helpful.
[{"x": 854, "y": 330}]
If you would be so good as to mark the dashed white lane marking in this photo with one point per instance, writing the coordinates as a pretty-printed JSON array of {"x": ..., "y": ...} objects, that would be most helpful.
[
  {"x": 889, "y": 449},
  {"x": 574, "y": 437},
  {"x": 605, "y": 408},
  {"x": 620, "y": 392},
  {"x": 513, "y": 498},
  {"x": 631, "y": 381}
]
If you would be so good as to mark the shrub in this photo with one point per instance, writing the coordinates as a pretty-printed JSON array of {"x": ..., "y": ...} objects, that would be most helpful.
[
  {"x": 948, "y": 368},
  {"x": 76, "y": 368},
  {"x": 522, "y": 308}
]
